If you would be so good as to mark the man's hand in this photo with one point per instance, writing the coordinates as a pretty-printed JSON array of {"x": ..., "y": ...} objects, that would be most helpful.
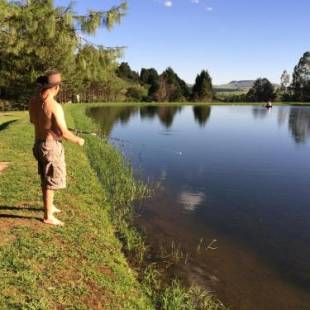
[{"x": 81, "y": 142}]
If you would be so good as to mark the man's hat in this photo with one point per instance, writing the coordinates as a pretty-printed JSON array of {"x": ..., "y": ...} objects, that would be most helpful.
[{"x": 49, "y": 80}]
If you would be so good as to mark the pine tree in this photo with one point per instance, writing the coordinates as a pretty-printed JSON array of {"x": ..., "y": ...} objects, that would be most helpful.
[
  {"x": 172, "y": 87},
  {"x": 202, "y": 89},
  {"x": 124, "y": 72},
  {"x": 36, "y": 36},
  {"x": 150, "y": 78},
  {"x": 301, "y": 79}
]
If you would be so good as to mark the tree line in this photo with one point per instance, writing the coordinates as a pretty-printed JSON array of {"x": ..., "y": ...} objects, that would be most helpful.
[
  {"x": 149, "y": 85},
  {"x": 36, "y": 36}
]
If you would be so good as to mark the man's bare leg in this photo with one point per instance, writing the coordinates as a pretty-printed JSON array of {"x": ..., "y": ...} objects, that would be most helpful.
[{"x": 49, "y": 218}]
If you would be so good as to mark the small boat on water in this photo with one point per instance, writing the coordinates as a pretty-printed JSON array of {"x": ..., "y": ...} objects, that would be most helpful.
[{"x": 268, "y": 105}]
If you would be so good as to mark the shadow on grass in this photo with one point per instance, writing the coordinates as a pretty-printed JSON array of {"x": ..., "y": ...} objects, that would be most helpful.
[
  {"x": 13, "y": 216},
  {"x": 7, "y": 124},
  {"x": 16, "y": 216},
  {"x": 3, "y": 208}
]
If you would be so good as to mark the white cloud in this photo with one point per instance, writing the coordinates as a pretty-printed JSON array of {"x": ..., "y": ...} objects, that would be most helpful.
[
  {"x": 168, "y": 3},
  {"x": 203, "y": 4},
  {"x": 190, "y": 200}
]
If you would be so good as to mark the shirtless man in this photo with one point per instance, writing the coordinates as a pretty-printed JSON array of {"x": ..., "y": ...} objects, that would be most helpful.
[{"x": 47, "y": 116}]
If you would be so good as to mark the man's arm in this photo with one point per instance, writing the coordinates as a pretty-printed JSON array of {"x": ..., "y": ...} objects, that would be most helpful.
[{"x": 61, "y": 123}]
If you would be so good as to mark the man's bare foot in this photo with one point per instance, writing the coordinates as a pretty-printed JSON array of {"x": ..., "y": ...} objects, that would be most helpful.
[
  {"x": 52, "y": 220},
  {"x": 56, "y": 210}
]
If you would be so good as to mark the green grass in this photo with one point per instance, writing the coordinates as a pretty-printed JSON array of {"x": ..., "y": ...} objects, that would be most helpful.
[
  {"x": 79, "y": 266},
  {"x": 84, "y": 265}
]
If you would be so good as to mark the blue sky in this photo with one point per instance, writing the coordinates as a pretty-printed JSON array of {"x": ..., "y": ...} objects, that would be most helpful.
[{"x": 233, "y": 40}]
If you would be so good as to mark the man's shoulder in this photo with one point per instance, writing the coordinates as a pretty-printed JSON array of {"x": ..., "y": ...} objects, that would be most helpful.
[
  {"x": 51, "y": 103},
  {"x": 57, "y": 108}
]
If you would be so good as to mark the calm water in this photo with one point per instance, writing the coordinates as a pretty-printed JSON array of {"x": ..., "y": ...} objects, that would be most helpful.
[{"x": 238, "y": 177}]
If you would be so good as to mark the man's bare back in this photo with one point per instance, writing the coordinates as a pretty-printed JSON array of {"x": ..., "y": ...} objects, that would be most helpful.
[
  {"x": 48, "y": 118},
  {"x": 42, "y": 116}
]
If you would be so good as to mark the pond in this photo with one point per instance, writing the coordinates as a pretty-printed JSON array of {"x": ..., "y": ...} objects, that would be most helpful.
[{"x": 234, "y": 193}]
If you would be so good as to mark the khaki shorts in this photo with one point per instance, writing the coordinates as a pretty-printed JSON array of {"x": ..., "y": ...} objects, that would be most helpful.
[{"x": 51, "y": 163}]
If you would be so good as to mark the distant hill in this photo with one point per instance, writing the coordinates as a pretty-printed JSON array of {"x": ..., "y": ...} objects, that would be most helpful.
[
  {"x": 237, "y": 87},
  {"x": 243, "y": 85}
]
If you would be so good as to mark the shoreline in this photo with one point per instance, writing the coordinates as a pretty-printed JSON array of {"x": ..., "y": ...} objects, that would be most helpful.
[
  {"x": 189, "y": 103},
  {"x": 167, "y": 103}
]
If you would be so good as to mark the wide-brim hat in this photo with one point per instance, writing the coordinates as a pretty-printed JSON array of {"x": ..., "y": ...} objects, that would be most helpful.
[{"x": 46, "y": 82}]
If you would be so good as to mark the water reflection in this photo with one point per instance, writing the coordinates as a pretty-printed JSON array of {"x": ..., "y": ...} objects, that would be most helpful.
[
  {"x": 299, "y": 124},
  {"x": 190, "y": 201},
  {"x": 125, "y": 114},
  {"x": 297, "y": 118},
  {"x": 149, "y": 111},
  {"x": 282, "y": 116},
  {"x": 260, "y": 112},
  {"x": 107, "y": 117},
  {"x": 202, "y": 114},
  {"x": 167, "y": 114}
]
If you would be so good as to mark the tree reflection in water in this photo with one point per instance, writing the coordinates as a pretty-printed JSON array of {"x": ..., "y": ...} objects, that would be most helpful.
[
  {"x": 148, "y": 111},
  {"x": 167, "y": 114},
  {"x": 298, "y": 119},
  {"x": 260, "y": 112},
  {"x": 299, "y": 124},
  {"x": 106, "y": 117},
  {"x": 202, "y": 114}
]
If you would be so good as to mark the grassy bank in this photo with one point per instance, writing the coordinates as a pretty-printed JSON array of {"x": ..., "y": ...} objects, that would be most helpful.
[{"x": 80, "y": 266}]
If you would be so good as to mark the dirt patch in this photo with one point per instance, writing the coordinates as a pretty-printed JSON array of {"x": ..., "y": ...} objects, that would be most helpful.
[
  {"x": 10, "y": 221},
  {"x": 106, "y": 270},
  {"x": 3, "y": 166},
  {"x": 97, "y": 297}
]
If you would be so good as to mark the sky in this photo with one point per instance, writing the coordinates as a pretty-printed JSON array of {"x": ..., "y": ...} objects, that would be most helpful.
[{"x": 233, "y": 40}]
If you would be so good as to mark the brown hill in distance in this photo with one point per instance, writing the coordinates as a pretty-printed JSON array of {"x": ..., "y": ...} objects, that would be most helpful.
[{"x": 241, "y": 86}]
